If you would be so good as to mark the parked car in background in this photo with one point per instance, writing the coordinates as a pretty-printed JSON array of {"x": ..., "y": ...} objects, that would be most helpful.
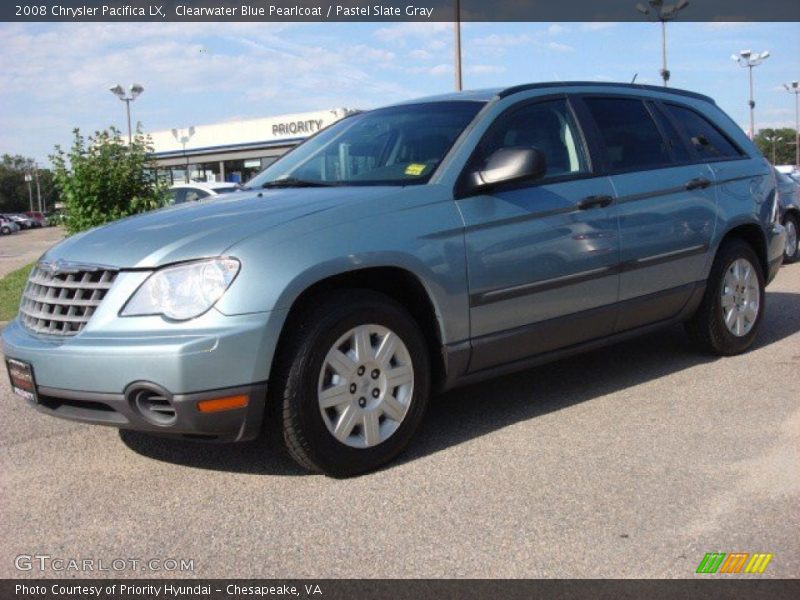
[
  {"x": 789, "y": 194},
  {"x": 39, "y": 219},
  {"x": 7, "y": 226},
  {"x": 191, "y": 192},
  {"x": 399, "y": 251},
  {"x": 21, "y": 220}
]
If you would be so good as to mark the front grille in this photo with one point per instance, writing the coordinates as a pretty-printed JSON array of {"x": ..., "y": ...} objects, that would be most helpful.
[{"x": 61, "y": 302}]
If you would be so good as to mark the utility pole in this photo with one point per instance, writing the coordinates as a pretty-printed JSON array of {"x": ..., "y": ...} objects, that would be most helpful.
[
  {"x": 28, "y": 179},
  {"x": 457, "y": 45},
  {"x": 38, "y": 189},
  {"x": 794, "y": 88}
]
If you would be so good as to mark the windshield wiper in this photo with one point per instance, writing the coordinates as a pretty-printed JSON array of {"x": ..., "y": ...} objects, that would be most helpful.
[{"x": 295, "y": 182}]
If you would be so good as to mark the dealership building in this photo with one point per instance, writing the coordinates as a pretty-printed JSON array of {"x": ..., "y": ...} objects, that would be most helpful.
[{"x": 235, "y": 150}]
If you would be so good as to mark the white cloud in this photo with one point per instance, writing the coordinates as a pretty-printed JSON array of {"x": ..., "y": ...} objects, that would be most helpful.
[
  {"x": 484, "y": 69},
  {"x": 420, "y": 54},
  {"x": 598, "y": 26},
  {"x": 556, "y": 47},
  {"x": 401, "y": 32},
  {"x": 556, "y": 29},
  {"x": 497, "y": 39}
]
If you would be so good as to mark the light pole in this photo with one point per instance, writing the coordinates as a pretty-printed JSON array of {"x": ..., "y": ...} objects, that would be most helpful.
[
  {"x": 28, "y": 179},
  {"x": 457, "y": 45},
  {"x": 663, "y": 13},
  {"x": 135, "y": 89},
  {"x": 794, "y": 88},
  {"x": 183, "y": 140},
  {"x": 773, "y": 139},
  {"x": 746, "y": 58}
]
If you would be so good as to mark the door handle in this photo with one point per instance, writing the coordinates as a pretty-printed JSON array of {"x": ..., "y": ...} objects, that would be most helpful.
[
  {"x": 699, "y": 183},
  {"x": 595, "y": 201}
]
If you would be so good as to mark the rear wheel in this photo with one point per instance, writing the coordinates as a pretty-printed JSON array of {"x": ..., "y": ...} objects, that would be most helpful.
[
  {"x": 729, "y": 316},
  {"x": 791, "y": 252},
  {"x": 352, "y": 382}
]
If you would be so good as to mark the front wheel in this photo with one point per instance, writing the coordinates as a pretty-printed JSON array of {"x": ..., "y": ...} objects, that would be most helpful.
[
  {"x": 791, "y": 252},
  {"x": 353, "y": 381},
  {"x": 728, "y": 319}
]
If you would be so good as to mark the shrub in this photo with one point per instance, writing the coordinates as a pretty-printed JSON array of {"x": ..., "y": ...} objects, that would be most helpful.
[{"x": 102, "y": 179}]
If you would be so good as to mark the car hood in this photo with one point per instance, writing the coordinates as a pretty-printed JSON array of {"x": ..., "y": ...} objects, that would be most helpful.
[{"x": 201, "y": 229}]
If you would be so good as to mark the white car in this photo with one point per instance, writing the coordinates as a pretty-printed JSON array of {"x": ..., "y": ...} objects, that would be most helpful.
[
  {"x": 7, "y": 226},
  {"x": 191, "y": 192}
]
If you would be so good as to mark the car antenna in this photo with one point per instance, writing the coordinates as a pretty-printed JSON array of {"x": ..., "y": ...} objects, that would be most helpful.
[{"x": 635, "y": 75}]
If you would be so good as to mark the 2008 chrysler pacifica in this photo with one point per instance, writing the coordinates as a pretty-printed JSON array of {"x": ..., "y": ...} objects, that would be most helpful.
[{"x": 402, "y": 250}]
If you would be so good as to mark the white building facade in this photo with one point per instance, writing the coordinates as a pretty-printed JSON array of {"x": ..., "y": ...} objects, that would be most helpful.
[{"x": 236, "y": 150}]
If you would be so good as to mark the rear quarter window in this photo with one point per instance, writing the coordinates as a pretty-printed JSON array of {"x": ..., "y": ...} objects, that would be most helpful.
[
  {"x": 629, "y": 135},
  {"x": 702, "y": 134}
]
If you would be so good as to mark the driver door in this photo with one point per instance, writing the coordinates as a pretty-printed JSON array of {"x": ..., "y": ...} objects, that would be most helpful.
[{"x": 542, "y": 255}]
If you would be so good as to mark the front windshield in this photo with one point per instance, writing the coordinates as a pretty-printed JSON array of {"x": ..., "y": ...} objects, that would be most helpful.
[{"x": 400, "y": 145}]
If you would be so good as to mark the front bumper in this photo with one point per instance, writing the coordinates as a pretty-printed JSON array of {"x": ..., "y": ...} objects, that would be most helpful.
[
  {"x": 121, "y": 410},
  {"x": 90, "y": 377}
]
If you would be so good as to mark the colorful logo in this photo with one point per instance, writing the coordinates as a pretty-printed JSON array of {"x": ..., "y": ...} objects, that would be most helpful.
[{"x": 735, "y": 562}]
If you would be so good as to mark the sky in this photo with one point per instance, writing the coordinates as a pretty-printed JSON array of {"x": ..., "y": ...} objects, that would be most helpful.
[{"x": 55, "y": 77}]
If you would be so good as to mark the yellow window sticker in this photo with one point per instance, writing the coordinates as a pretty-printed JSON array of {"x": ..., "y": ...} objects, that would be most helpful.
[{"x": 415, "y": 169}]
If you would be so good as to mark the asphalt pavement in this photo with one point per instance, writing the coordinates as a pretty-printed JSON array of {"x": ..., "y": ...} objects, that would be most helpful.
[{"x": 631, "y": 461}]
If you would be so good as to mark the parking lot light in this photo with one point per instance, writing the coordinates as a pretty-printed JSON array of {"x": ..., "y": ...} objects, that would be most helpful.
[
  {"x": 183, "y": 139},
  {"x": 747, "y": 59},
  {"x": 135, "y": 90},
  {"x": 794, "y": 88},
  {"x": 657, "y": 10}
]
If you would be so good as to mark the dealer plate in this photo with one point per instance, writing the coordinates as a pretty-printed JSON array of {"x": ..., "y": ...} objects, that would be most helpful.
[{"x": 22, "y": 381}]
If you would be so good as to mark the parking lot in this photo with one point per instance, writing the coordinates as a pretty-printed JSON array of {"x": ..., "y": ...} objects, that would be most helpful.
[
  {"x": 25, "y": 246},
  {"x": 631, "y": 461}
]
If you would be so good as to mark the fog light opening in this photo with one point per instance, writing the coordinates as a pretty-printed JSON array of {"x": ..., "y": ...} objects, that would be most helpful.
[{"x": 154, "y": 406}]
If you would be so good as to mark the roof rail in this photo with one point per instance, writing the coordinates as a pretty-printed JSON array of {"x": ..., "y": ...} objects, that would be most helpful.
[{"x": 631, "y": 86}]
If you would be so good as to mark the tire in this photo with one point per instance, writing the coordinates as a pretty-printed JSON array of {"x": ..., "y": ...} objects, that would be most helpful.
[
  {"x": 791, "y": 252},
  {"x": 5, "y": 231},
  {"x": 708, "y": 328},
  {"x": 303, "y": 373}
]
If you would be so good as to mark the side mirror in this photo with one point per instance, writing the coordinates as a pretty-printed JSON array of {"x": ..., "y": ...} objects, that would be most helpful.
[{"x": 508, "y": 165}]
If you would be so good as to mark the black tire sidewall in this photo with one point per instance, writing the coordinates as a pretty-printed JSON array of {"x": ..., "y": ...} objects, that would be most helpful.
[{"x": 325, "y": 451}]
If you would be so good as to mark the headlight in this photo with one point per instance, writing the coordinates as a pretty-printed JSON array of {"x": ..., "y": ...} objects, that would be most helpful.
[{"x": 183, "y": 291}]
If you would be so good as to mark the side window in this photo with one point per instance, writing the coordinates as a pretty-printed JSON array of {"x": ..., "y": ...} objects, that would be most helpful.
[
  {"x": 628, "y": 134},
  {"x": 177, "y": 196},
  {"x": 704, "y": 136},
  {"x": 195, "y": 195},
  {"x": 679, "y": 151},
  {"x": 547, "y": 126}
]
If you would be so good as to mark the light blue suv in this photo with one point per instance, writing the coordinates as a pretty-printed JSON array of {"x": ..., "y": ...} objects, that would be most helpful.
[{"x": 401, "y": 251}]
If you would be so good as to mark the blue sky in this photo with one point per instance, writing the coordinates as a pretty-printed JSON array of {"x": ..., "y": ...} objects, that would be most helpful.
[{"x": 56, "y": 76}]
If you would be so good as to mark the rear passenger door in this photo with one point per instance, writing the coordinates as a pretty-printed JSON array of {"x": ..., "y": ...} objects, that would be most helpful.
[{"x": 665, "y": 204}]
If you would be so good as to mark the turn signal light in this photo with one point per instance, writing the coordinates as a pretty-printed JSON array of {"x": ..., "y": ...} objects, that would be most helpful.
[{"x": 220, "y": 404}]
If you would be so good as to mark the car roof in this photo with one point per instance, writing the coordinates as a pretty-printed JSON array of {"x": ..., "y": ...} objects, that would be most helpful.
[{"x": 484, "y": 95}]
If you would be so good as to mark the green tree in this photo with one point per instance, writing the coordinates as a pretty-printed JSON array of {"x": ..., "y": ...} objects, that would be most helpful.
[
  {"x": 784, "y": 147},
  {"x": 14, "y": 189},
  {"x": 103, "y": 179}
]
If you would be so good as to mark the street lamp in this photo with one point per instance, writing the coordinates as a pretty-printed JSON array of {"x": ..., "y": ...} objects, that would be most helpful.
[
  {"x": 773, "y": 139},
  {"x": 183, "y": 139},
  {"x": 134, "y": 91},
  {"x": 746, "y": 58},
  {"x": 662, "y": 12},
  {"x": 794, "y": 88}
]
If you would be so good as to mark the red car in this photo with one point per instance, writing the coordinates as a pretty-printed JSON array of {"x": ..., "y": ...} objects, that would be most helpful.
[{"x": 38, "y": 218}]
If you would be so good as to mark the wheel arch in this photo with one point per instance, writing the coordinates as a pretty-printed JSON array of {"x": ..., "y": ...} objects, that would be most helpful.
[
  {"x": 753, "y": 234},
  {"x": 396, "y": 282}
]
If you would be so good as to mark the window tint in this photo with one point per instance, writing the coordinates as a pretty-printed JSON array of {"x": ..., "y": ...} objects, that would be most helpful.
[
  {"x": 177, "y": 196},
  {"x": 547, "y": 126},
  {"x": 679, "y": 151},
  {"x": 704, "y": 136},
  {"x": 628, "y": 133}
]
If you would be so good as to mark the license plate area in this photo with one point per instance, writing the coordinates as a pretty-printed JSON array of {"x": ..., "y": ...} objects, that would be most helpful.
[{"x": 23, "y": 382}]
